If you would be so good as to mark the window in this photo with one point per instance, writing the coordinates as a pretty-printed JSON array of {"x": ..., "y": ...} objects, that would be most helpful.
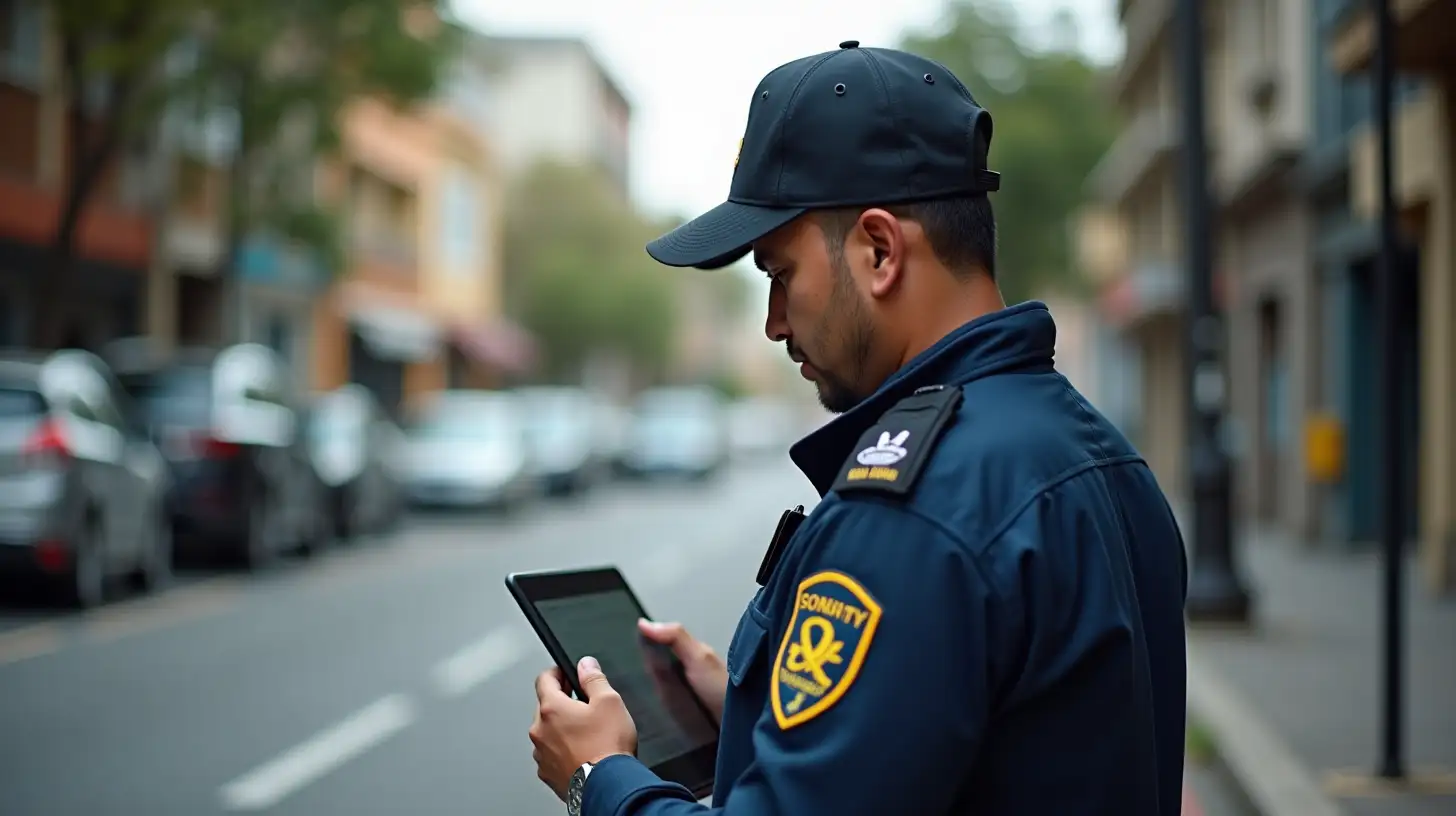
[
  {"x": 460, "y": 222},
  {"x": 21, "y": 30}
]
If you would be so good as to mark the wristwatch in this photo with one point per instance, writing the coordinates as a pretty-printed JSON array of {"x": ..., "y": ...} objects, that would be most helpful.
[{"x": 575, "y": 788}]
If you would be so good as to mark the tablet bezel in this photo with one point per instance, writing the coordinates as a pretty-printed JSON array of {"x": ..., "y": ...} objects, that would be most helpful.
[{"x": 695, "y": 770}]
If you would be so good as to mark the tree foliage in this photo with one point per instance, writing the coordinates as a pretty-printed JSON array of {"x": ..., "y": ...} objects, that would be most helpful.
[
  {"x": 285, "y": 68},
  {"x": 577, "y": 275},
  {"x": 1052, "y": 125}
]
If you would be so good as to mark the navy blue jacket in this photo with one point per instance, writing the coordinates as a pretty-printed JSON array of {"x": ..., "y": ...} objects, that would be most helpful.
[{"x": 999, "y": 633}]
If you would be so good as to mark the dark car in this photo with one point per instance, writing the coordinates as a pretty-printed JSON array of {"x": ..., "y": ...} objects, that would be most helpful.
[
  {"x": 243, "y": 484},
  {"x": 82, "y": 491},
  {"x": 356, "y": 450}
]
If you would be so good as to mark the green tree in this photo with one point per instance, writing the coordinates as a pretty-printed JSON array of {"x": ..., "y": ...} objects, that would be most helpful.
[
  {"x": 285, "y": 67},
  {"x": 1052, "y": 125},
  {"x": 578, "y": 277}
]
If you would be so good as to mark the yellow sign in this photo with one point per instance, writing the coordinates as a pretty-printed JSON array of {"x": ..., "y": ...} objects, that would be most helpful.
[
  {"x": 874, "y": 474},
  {"x": 1324, "y": 448},
  {"x": 823, "y": 648}
]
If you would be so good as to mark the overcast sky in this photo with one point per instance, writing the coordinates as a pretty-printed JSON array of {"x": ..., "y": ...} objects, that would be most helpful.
[{"x": 690, "y": 68}]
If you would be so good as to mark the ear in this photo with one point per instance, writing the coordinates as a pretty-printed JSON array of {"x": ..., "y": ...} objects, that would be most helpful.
[{"x": 885, "y": 241}]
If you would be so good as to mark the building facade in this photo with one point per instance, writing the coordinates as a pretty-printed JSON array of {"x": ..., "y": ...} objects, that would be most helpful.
[
  {"x": 417, "y": 308},
  {"x": 1143, "y": 300},
  {"x": 551, "y": 99},
  {"x": 1258, "y": 99},
  {"x": 103, "y": 297},
  {"x": 1425, "y": 192}
]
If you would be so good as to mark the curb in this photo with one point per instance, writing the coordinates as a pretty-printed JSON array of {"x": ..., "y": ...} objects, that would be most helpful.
[{"x": 1261, "y": 763}]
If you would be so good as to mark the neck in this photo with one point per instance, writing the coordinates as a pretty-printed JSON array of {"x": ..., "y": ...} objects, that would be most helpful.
[{"x": 949, "y": 310}]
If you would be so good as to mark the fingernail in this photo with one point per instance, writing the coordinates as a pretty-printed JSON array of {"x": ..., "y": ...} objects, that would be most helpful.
[{"x": 590, "y": 664}]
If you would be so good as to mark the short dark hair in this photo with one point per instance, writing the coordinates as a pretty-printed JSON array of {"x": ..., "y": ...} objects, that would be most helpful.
[{"x": 961, "y": 231}]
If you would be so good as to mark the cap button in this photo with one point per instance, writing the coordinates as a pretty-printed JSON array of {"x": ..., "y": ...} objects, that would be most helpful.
[{"x": 849, "y": 44}]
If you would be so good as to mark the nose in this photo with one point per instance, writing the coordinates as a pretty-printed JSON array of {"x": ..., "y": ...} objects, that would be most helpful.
[{"x": 776, "y": 326}]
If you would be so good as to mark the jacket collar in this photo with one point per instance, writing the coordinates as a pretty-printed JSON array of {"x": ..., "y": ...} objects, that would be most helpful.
[{"x": 1019, "y": 337}]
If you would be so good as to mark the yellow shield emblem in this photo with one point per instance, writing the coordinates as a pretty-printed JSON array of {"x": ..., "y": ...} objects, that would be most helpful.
[{"x": 824, "y": 646}]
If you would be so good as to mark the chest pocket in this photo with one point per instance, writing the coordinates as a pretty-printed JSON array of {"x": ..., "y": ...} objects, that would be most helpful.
[{"x": 747, "y": 648}]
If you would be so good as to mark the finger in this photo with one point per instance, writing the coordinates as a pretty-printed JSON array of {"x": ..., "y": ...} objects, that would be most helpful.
[
  {"x": 668, "y": 634},
  {"x": 548, "y": 686},
  {"x": 593, "y": 681}
]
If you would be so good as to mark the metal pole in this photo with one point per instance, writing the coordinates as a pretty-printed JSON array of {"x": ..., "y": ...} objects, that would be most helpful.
[
  {"x": 1214, "y": 589},
  {"x": 1390, "y": 302}
]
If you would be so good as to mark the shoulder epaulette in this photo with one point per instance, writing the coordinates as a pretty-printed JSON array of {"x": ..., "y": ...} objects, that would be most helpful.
[{"x": 891, "y": 454}]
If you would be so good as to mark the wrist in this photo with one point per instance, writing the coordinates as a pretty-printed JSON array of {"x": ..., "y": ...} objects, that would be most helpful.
[{"x": 597, "y": 760}]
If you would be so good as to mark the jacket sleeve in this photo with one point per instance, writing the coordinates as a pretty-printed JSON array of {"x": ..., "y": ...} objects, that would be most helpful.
[{"x": 880, "y": 680}]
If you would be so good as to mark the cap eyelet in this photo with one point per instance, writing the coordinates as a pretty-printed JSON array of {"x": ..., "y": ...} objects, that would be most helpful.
[
  {"x": 929, "y": 80},
  {"x": 839, "y": 89},
  {"x": 764, "y": 95}
]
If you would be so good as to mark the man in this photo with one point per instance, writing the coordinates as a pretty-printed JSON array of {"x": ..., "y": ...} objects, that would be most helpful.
[{"x": 984, "y": 613}]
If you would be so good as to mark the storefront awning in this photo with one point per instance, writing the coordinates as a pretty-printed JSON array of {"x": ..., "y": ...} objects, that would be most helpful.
[
  {"x": 501, "y": 345},
  {"x": 397, "y": 334}
]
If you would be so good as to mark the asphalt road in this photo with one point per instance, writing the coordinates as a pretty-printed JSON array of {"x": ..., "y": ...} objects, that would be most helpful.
[{"x": 387, "y": 677}]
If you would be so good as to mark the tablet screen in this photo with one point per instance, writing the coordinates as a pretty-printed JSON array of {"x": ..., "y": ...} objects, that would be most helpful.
[{"x": 670, "y": 723}]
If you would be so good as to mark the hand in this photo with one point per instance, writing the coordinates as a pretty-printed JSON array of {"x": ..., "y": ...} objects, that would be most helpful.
[
  {"x": 568, "y": 733},
  {"x": 705, "y": 671}
]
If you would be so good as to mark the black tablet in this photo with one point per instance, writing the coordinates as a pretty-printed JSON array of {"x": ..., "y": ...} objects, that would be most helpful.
[{"x": 593, "y": 612}]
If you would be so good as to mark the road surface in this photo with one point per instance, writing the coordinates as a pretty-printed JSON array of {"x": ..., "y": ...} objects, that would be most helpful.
[
  {"x": 390, "y": 677},
  {"x": 387, "y": 677}
]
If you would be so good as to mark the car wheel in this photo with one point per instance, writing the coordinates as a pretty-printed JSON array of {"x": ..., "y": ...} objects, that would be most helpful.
[
  {"x": 259, "y": 546},
  {"x": 154, "y": 572},
  {"x": 87, "y": 588}
]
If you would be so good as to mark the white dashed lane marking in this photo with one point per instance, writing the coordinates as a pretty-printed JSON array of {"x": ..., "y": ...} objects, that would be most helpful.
[
  {"x": 327, "y": 750},
  {"x": 478, "y": 662}
]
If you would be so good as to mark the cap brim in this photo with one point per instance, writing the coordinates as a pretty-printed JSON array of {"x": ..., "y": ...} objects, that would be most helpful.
[{"x": 719, "y": 236}]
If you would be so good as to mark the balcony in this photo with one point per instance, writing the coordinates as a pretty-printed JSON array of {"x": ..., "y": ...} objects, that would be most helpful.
[
  {"x": 1151, "y": 289},
  {"x": 1145, "y": 24},
  {"x": 1423, "y": 39},
  {"x": 1142, "y": 149}
]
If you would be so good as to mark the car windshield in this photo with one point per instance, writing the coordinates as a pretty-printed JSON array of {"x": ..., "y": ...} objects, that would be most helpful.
[
  {"x": 20, "y": 409},
  {"x": 477, "y": 421},
  {"x": 181, "y": 396},
  {"x": 675, "y": 428},
  {"x": 335, "y": 421}
]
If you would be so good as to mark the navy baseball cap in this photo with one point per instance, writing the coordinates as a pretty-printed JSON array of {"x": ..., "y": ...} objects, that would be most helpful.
[{"x": 855, "y": 126}]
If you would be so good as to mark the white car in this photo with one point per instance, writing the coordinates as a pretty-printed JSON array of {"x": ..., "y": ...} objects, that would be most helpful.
[
  {"x": 561, "y": 431},
  {"x": 677, "y": 432},
  {"x": 469, "y": 449}
]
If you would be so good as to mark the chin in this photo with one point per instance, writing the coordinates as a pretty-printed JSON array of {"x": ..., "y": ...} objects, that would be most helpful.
[{"x": 834, "y": 400}]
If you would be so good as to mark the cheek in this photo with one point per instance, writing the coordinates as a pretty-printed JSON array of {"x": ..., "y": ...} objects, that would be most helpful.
[{"x": 803, "y": 305}]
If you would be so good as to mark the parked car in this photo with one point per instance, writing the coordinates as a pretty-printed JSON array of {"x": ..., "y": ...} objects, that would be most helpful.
[
  {"x": 356, "y": 449},
  {"x": 613, "y": 426},
  {"x": 468, "y": 449},
  {"x": 561, "y": 431},
  {"x": 761, "y": 427},
  {"x": 677, "y": 432},
  {"x": 231, "y": 429},
  {"x": 82, "y": 491}
]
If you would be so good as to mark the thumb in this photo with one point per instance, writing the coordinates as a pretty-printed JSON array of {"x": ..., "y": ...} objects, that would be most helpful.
[{"x": 593, "y": 681}]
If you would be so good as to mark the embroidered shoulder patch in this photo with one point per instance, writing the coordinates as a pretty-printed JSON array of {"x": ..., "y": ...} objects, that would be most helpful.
[
  {"x": 824, "y": 646},
  {"x": 891, "y": 455}
]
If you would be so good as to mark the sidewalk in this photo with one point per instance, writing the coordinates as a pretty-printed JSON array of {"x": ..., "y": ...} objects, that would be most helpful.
[{"x": 1294, "y": 703}]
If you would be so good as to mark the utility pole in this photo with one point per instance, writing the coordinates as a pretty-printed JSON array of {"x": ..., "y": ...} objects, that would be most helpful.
[
  {"x": 1391, "y": 302},
  {"x": 1215, "y": 591}
]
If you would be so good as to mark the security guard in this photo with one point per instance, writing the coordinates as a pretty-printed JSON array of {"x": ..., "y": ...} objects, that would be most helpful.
[{"x": 984, "y": 613}]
